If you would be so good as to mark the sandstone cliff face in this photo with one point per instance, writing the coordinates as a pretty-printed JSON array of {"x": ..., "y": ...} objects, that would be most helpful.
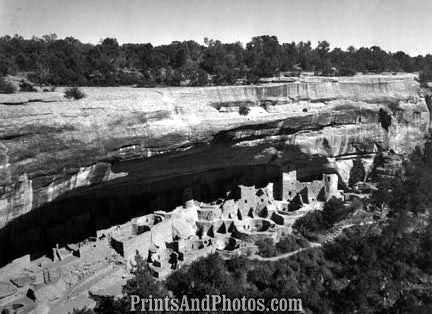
[{"x": 52, "y": 148}]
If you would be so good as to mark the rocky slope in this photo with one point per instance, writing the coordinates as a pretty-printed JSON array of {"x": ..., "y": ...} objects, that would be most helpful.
[{"x": 123, "y": 138}]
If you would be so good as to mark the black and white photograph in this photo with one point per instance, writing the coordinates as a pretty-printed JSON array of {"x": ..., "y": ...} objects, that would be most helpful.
[{"x": 215, "y": 156}]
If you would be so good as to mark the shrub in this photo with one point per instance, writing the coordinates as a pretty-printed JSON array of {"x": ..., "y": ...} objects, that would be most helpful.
[
  {"x": 327, "y": 71},
  {"x": 266, "y": 247},
  {"x": 334, "y": 211},
  {"x": 244, "y": 110},
  {"x": 357, "y": 172},
  {"x": 288, "y": 244},
  {"x": 85, "y": 310},
  {"x": 347, "y": 72},
  {"x": 26, "y": 87},
  {"x": 384, "y": 118},
  {"x": 142, "y": 283},
  {"x": 303, "y": 243},
  {"x": 425, "y": 76},
  {"x": 74, "y": 92},
  {"x": 312, "y": 221},
  {"x": 6, "y": 87}
]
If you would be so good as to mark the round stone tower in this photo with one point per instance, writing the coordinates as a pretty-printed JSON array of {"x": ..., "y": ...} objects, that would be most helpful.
[{"x": 330, "y": 185}]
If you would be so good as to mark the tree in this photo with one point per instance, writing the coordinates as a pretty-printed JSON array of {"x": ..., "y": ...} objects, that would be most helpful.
[
  {"x": 6, "y": 87},
  {"x": 207, "y": 275},
  {"x": 7, "y": 65},
  {"x": 142, "y": 284},
  {"x": 264, "y": 55},
  {"x": 357, "y": 172},
  {"x": 305, "y": 55},
  {"x": 54, "y": 61},
  {"x": 74, "y": 93},
  {"x": 426, "y": 76},
  {"x": 266, "y": 247},
  {"x": 111, "y": 49},
  {"x": 312, "y": 221},
  {"x": 323, "y": 62},
  {"x": 334, "y": 211},
  {"x": 287, "y": 244}
]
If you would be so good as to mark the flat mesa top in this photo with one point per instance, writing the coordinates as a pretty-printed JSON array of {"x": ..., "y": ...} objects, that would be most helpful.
[{"x": 152, "y": 94}]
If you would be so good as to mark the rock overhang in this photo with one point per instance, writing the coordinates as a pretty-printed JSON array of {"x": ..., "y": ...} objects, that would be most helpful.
[{"x": 50, "y": 149}]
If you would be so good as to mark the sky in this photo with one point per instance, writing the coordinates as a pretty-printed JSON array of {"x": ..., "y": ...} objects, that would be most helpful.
[{"x": 391, "y": 24}]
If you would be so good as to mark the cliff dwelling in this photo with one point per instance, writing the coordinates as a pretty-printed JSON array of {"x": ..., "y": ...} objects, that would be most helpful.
[
  {"x": 87, "y": 211},
  {"x": 230, "y": 227},
  {"x": 181, "y": 174}
]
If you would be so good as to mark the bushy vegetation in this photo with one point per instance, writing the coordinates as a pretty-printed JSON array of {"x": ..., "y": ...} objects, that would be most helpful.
[
  {"x": 289, "y": 243},
  {"x": 74, "y": 93},
  {"x": 346, "y": 72},
  {"x": 333, "y": 212},
  {"x": 426, "y": 76},
  {"x": 312, "y": 221},
  {"x": 266, "y": 247},
  {"x": 244, "y": 110},
  {"x": 409, "y": 192},
  {"x": 357, "y": 172},
  {"x": 6, "y": 87},
  {"x": 68, "y": 62},
  {"x": 26, "y": 87},
  {"x": 85, "y": 310}
]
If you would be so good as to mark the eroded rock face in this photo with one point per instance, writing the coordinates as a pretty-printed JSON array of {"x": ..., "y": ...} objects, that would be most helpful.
[{"x": 125, "y": 136}]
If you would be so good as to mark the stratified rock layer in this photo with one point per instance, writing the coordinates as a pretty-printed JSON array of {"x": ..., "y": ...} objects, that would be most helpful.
[{"x": 121, "y": 136}]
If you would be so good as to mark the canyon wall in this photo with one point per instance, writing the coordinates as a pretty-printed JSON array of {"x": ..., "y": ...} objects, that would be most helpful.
[{"x": 130, "y": 139}]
